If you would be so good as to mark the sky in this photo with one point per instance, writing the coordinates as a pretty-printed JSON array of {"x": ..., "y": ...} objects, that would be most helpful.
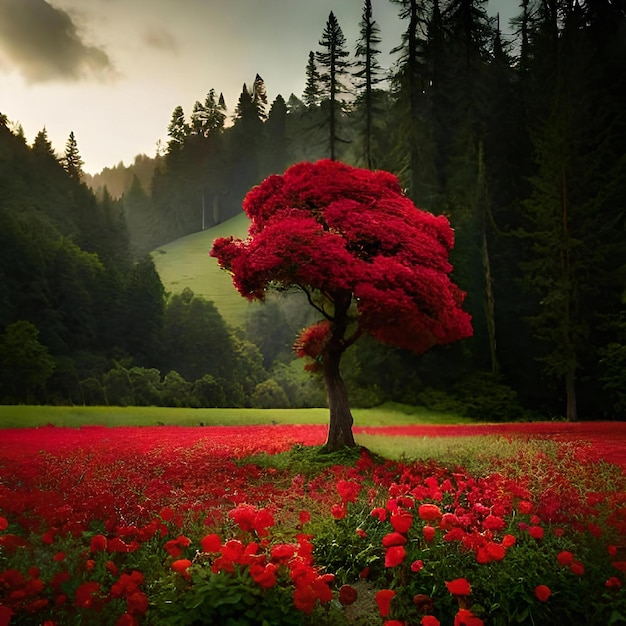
[{"x": 112, "y": 71}]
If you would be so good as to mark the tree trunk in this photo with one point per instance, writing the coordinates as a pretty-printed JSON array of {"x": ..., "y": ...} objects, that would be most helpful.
[{"x": 340, "y": 428}]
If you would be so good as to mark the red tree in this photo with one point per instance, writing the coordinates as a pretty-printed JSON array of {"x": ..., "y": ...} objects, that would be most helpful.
[{"x": 365, "y": 256}]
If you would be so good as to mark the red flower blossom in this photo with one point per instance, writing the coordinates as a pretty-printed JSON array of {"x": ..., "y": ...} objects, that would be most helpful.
[
  {"x": 417, "y": 566},
  {"x": 393, "y": 539},
  {"x": 492, "y": 522},
  {"x": 380, "y": 513},
  {"x": 465, "y": 617},
  {"x": 349, "y": 491},
  {"x": 211, "y": 543},
  {"x": 85, "y": 596},
  {"x": 401, "y": 520},
  {"x": 383, "y": 600},
  {"x": 304, "y": 517},
  {"x": 525, "y": 507},
  {"x": 338, "y": 511},
  {"x": 564, "y": 557},
  {"x": 620, "y": 565},
  {"x": 576, "y": 567},
  {"x": 612, "y": 550},
  {"x": 137, "y": 603},
  {"x": 264, "y": 576},
  {"x": 459, "y": 587},
  {"x": 181, "y": 566},
  {"x": 536, "y": 532},
  {"x": 98, "y": 543},
  {"x": 430, "y": 620},
  {"x": 508, "y": 541},
  {"x": 393, "y": 622},
  {"x": 542, "y": 592},
  {"x": 347, "y": 595},
  {"x": 429, "y": 512},
  {"x": 4, "y": 524},
  {"x": 429, "y": 533},
  {"x": 394, "y": 556},
  {"x": 613, "y": 583}
]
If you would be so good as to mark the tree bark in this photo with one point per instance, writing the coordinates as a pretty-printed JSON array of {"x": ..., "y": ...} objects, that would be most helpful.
[
  {"x": 340, "y": 427},
  {"x": 341, "y": 420}
]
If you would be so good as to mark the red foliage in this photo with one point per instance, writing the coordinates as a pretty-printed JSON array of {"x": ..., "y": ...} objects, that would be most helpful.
[{"x": 337, "y": 229}]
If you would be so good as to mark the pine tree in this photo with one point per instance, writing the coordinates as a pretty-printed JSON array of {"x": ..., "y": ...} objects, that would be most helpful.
[
  {"x": 72, "y": 163},
  {"x": 333, "y": 60},
  {"x": 369, "y": 73},
  {"x": 178, "y": 130},
  {"x": 311, "y": 96}
]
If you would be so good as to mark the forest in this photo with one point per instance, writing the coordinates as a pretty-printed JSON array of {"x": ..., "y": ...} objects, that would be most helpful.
[{"x": 518, "y": 141}]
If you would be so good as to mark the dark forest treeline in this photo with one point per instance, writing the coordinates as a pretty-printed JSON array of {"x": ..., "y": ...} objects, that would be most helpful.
[{"x": 520, "y": 143}]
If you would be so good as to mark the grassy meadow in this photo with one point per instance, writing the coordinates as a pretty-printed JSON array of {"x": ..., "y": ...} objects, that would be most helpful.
[
  {"x": 390, "y": 414},
  {"x": 185, "y": 262}
]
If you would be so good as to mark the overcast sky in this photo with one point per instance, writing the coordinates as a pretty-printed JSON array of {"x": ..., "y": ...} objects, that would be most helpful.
[{"x": 112, "y": 71}]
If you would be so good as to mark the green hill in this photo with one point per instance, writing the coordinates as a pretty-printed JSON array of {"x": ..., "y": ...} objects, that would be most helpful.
[{"x": 185, "y": 262}]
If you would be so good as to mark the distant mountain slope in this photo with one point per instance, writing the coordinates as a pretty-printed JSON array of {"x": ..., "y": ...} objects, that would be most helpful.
[{"x": 185, "y": 262}]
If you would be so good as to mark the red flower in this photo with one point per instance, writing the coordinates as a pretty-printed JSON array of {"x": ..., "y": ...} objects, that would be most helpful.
[
  {"x": 394, "y": 556},
  {"x": 137, "y": 602},
  {"x": 464, "y": 617},
  {"x": 348, "y": 490},
  {"x": 380, "y": 513},
  {"x": 459, "y": 587},
  {"x": 4, "y": 524},
  {"x": 347, "y": 595},
  {"x": 338, "y": 511},
  {"x": 613, "y": 583},
  {"x": 576, "y": 567},
  {"x": 304, "y": 517},
  {"x": 429, "y": 512},
  {"x": 181, "y": 567},
  {"x": 536, "y": 532},
  {"x": 492, "y": 522},
  {"x": 393, "y": 622},
  {"x": 542, "y": 592},
  {"x": 401, "y": 520},
  {"x": 495, "y": 551},
  {"x": 564, "y": 557},
  {"x": 525, "y": 507},
  {"x": 620, "y": 565},
  {"x": 417, "y": 566},
  {"x": 85, "y": 593},
  {"x": 393, "y": 539},
  {"x": 211, "y": 543},
  {"x": 429, "y": 533},
  {"x": 98, "y": 543},
  {"x": 264, "y": 576},
  {"x": 508, "y": 541},
  {"x": 612, "y": 550},
  {"x": 383, "y": 600},
  {"x": 430, "y": 620}
]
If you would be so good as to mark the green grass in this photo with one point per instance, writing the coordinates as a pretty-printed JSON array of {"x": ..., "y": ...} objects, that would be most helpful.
[
  {"x": 185, "y": 262},
  {"x": 27, "y": 416}
]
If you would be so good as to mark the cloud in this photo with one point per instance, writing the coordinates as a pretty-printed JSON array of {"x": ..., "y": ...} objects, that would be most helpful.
[{"x": 43, "y": 43}]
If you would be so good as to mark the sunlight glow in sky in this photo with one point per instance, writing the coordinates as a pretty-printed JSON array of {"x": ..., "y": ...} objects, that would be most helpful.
[{"x": 112, "y": 71}]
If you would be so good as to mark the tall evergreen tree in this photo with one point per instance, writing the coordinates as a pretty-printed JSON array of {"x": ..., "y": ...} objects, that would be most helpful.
[
  {"x": 178, "y": 130},
  {"x": 311, "y": 96},
  {"x": 333, "y": 60},
  {"x": 368, "y": 74},
  {"x": 72, "y": 162}
]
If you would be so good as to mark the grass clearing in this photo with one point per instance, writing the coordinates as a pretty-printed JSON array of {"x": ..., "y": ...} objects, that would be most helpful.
[
  {"x": 28, "y": 416},
  {"x": 185, "y": 262}
]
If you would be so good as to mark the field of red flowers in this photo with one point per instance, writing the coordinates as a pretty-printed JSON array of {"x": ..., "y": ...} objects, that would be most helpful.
[{"x": 174, "y": 525}]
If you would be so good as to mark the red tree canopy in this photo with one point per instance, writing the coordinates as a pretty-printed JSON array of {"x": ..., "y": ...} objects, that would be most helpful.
[{"x": 341, "y": 234}]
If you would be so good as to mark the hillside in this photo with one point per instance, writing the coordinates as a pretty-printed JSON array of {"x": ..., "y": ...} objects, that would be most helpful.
[{"x": 185, "y": 262}]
